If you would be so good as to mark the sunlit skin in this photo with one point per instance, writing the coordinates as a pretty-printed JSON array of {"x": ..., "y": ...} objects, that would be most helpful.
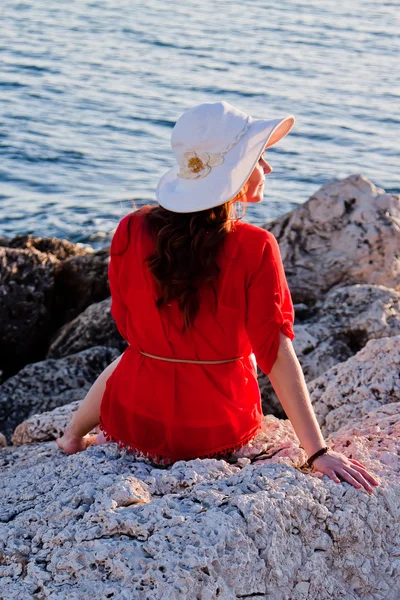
[
  {"x": 255, "y": 183},
  {"x": 71, "y": 443}
]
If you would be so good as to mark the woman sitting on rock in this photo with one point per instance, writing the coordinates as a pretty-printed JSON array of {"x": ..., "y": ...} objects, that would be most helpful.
[{"x": 202, "y": 298}]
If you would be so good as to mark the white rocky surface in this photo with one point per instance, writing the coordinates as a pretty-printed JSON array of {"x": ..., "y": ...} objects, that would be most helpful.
[
  {"x": 49, "y": 425},
  {"x": 343, "y": 322},
  {"x": 364, "y": 383},
  {"x": 348, "y": 232},
  {"x": 103, "y": 524}
]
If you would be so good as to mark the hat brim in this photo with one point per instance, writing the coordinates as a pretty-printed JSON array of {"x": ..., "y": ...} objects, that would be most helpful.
[{"x": 225, "y": 181}]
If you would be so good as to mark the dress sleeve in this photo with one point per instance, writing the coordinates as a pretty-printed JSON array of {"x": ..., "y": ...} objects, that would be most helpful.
[
  {"x": 269, "y": 306},
  {"x": 118, "y": 307}
]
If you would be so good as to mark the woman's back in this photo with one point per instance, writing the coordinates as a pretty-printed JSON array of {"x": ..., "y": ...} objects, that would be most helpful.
[{"x": 182, "y": 410}]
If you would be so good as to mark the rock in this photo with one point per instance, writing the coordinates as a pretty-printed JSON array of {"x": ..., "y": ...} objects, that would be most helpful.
[
  {"x": 373, "y": 428},
  {"x": 338, "y": 326},
  {"x": 79, "y": 282},
  {"x": 60, "y": 249},
  {"x": 54, "y": 382},
  {"x": 49, "y": 425},
  {"x": 346, "y": 233},
  {"x": 302, "y": 312},
  {"x": 365, "y": 382},
  {"x": 94, "y": 327},
  {"x": 368, "y": 311},
  {"x": 27, "y": 283},
  {"x": 342, "y": 323},
  {"x": 45, "y": 282},
  {"x": 103, "y": 523}
]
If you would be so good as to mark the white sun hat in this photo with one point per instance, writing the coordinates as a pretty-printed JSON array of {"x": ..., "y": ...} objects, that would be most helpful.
[{"x": 216, "y": 147}]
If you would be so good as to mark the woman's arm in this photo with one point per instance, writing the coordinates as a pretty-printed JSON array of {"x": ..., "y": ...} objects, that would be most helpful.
[
  {"x": 87, "y": 416},
  {"x": 288, "y": 381}
]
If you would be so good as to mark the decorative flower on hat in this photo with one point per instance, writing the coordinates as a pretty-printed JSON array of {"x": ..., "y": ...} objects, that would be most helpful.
[{"x": 196, "y": 165}]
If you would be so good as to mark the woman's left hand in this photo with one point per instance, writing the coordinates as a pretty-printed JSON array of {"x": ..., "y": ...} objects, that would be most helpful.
[
  {"x": 337, "y": 465},
  {"x": 71, "y": 444}
]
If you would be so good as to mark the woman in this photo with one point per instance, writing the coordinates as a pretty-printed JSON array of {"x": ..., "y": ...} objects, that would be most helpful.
[{"x": 199, "y": 297}]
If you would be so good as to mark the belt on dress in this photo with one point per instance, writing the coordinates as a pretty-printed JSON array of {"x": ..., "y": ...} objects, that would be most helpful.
[{"x": 207, "y": 362}]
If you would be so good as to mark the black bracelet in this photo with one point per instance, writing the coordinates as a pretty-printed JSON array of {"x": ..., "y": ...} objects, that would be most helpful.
[{"x": 314, "y": 456}]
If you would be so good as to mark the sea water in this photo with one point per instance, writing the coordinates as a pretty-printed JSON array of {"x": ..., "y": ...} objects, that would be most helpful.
[{"x": 90, "y": 91}]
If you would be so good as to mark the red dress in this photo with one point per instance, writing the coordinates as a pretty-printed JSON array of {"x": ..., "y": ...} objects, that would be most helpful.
[{"x": 169, "y": 411}]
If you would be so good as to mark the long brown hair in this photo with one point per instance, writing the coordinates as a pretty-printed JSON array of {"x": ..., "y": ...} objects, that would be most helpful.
[{"x": 187, "y": 245}]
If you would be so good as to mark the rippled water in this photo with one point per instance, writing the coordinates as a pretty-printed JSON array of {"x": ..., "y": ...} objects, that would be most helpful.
[{"x": 89, "y": 92}]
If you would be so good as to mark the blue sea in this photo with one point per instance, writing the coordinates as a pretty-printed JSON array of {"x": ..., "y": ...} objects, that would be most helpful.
[{"x": 90, "y": 90}]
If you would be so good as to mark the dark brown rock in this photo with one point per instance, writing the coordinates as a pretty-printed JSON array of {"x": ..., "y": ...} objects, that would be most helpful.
[
  {"x": 26, "y": 290},
  {"x": 44, "y": 283},
  {"x": 94, "y": 327},
  {"x": 79, "y": 282},
  {"x": 60, "y": 249}
]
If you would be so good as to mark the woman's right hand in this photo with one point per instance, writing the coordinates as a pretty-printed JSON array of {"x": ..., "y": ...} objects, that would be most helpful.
[{"x": 337, "y": 465}]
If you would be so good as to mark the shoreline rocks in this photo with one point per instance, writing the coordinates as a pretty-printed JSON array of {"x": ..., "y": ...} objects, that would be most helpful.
[
  {"x": 93, "y": 327},
  {"x": 330, "y": 326},
  {"x": 348, "y": 232},
  {"x": 44, "y": 283},
  {"x": 46, "y": 384},
  {"x": 365, "y": 382},
  {"x": 106, "y": 523}
]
